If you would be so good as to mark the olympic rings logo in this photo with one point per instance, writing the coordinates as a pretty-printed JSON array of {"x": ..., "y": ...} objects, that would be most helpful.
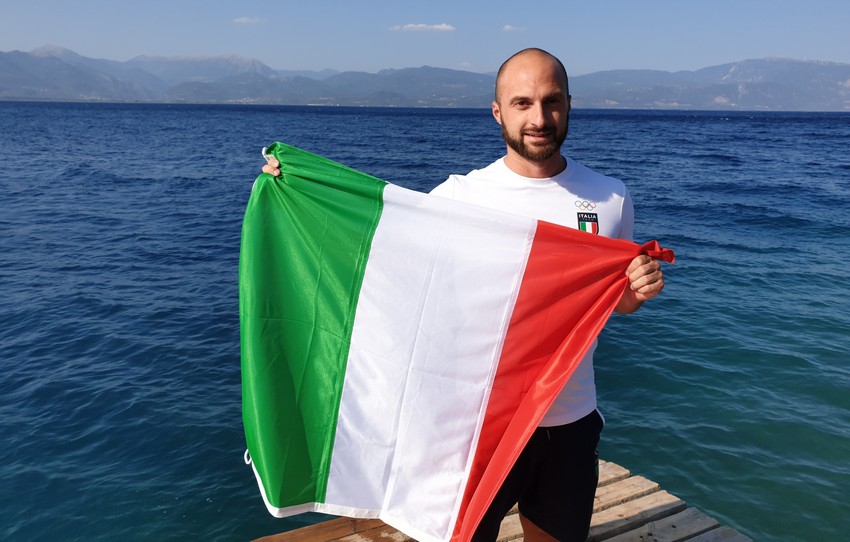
[{"x": 585, "y": 205}]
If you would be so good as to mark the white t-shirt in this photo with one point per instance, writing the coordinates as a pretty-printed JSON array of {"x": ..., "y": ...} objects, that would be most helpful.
[{"x": 578, "y": 198}]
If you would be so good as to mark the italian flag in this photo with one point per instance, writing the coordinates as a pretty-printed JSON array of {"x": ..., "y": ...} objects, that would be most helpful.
[{"x": 398, "y": 349}]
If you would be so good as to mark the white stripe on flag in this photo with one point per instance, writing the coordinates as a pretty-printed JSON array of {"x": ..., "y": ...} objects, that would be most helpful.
[{"x": 383, "y": 456}]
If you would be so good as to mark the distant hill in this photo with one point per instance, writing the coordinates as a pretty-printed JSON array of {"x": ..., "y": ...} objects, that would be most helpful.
[
  {"x": 765, "y": 84},
  {"x": 58, "y": 74}
]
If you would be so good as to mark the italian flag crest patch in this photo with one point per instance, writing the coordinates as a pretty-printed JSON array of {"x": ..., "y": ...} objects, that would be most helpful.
[{"x": 588, "y": 222}]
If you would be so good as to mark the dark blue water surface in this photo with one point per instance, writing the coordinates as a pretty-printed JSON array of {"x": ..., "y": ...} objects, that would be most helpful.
[{"x": 120, "y": 398}]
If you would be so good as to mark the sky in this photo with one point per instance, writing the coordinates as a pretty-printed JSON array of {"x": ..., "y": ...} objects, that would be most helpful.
[{"x": 588, "y": 36}]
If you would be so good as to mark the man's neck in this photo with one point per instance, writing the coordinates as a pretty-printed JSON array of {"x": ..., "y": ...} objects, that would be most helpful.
[{"x": 535, "y": 170}]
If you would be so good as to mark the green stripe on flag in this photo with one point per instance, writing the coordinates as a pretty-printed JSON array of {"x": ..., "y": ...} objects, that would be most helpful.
[{"x": 305, "y": 242}]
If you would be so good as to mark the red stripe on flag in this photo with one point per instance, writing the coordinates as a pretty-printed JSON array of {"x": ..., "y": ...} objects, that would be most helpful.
[{"x": 572, "y": 282}]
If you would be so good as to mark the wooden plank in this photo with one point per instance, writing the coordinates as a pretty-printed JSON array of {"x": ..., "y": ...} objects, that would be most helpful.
[
  {"x": 721, "y": 534},
  {"x": 511, "y": 529},
  {"x": 332, "y": 529},
  {"x": 384, "y": 533},
  {"x": 632, "y": 514},
  {"x": 676, "y": 528},
  {"x": 622, "y": 491},
  {"x": 611, "y": 472}
]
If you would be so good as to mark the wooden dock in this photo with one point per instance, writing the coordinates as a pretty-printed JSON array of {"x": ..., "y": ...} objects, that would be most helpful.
[{"x": 627, "y": 509}]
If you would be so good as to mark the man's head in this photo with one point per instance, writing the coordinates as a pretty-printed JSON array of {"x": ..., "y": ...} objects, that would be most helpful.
[{"x": 532, "y": 105}]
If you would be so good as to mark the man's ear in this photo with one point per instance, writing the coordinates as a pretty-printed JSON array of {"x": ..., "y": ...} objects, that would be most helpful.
[{"x": 497, "y": 114}]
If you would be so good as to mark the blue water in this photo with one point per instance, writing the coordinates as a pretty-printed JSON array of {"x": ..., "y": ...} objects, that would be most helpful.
[{"x": 119, "y": 343}]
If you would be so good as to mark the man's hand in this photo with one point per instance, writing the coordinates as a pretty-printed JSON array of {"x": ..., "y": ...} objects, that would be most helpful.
[
  {"x": 272, "y": 166},
  {"x": 646, "y": 280}
]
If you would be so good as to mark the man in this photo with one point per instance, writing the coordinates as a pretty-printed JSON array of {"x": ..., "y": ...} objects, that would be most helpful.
[{"x": 554, "y": 480}]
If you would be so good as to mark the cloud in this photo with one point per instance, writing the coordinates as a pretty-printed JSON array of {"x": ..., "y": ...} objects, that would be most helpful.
[
  {"x": 442, "y": 27},
  {"x": 512, "y": 28},
  {"x": 247, "y": 20}
]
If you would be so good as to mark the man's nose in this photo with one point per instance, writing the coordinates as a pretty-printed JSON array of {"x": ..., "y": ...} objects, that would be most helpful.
[{"x": 538, "y": 114}]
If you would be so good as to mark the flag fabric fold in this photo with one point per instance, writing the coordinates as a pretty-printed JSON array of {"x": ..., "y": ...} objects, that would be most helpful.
[{"x": 398, "y": 349}]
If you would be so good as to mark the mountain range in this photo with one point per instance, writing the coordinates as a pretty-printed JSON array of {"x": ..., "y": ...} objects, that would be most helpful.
[{"x": 58, "y": 74}]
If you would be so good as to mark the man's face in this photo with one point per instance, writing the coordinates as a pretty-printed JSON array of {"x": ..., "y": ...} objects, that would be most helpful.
[{"x": 533, "y": 108}]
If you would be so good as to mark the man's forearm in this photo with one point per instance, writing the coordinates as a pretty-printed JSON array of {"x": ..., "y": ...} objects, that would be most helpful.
[{"x": 628, "y": 303}]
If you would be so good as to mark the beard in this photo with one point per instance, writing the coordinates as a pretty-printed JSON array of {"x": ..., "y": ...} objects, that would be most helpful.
[{"x": 536, "y": 153}]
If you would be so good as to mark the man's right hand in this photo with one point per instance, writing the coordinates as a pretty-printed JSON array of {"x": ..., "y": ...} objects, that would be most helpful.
[{"x": 272, "y": 166}]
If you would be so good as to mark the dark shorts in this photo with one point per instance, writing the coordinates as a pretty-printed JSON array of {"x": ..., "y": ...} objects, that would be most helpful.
[{"x": 554, "y": 481}]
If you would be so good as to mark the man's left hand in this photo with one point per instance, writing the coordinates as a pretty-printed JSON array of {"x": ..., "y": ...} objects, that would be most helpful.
[{"x": 646, "y": 280}]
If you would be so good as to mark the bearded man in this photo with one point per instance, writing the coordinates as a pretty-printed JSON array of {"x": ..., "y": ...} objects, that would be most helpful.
[{"x": 554, "y": 480}]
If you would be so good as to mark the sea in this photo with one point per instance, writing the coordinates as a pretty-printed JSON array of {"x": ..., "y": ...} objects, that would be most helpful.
[{"x": 120, "y": 399}]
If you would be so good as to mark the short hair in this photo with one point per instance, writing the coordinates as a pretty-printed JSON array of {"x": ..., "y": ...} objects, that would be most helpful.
[{"x": 558, "y": 63}]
